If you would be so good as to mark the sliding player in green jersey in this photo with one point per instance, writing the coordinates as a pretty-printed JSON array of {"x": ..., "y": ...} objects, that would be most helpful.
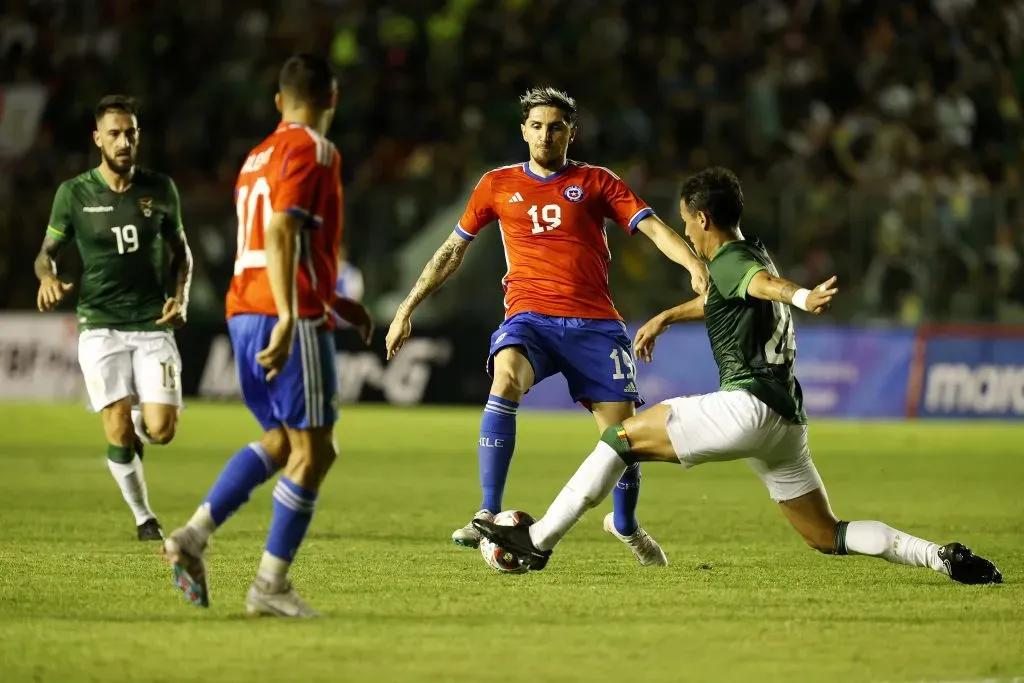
[
  {"x": 757, "y": 414},
  {"x": 123, "y": 219}
]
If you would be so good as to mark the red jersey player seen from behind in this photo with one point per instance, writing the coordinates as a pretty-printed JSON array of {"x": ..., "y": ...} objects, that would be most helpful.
[
  {"x": 559, "y": 315},
  {"x": 289, "y": 203}
]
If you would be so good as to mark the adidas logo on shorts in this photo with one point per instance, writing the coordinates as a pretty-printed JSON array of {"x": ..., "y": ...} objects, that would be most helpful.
[{"x": 631, "y": 388}]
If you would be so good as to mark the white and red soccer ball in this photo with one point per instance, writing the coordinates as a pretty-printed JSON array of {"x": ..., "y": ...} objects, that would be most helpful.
[{"x": 498, "y": 558}]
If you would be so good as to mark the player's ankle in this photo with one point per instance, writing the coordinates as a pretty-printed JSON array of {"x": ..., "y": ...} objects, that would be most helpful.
[
  {"x": 273, "y": 571},
  {"x": 202, "y": 523}
]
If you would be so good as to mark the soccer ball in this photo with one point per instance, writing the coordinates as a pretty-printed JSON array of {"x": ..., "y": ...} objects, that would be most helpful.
[{"x": 498, "y": 558}]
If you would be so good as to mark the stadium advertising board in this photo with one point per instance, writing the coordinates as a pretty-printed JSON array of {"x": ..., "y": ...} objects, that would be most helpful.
[
  {"x": 433, "y": 367},
  {"x": 968, "y": 372},
  {"x": 844, "y": 372},
  {"x": 39, "y": 357},
  {"x": 936, "y": 372}
]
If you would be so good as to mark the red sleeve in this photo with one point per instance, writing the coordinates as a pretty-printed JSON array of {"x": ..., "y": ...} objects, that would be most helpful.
[
  {"x": 479, "y": 211},
  {"x": 622, "y": 204},
  {"x": 304, "y": 168}
]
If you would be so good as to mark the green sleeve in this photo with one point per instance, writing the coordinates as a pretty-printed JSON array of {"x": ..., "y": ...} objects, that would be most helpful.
[
  {"x": 732, "y": 271},
  {"x": 172, "y": 225},
  {"x": 60, "y": 226}
]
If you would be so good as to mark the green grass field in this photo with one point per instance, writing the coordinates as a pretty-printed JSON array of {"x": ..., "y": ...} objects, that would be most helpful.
[{"x": 743, "y": 599}]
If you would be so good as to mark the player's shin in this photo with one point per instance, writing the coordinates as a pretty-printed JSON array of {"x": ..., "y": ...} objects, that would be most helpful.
[
  {"x": 126, "y": 469},
  {"x": 880, "y": 540},
  {"x": 625, "y": 498},
  {"x": 591, "y": 484},
  {"x": 247, "y": 469},
  {"x": 293, "y": 511},
  {"x": 495, "y": 448}
]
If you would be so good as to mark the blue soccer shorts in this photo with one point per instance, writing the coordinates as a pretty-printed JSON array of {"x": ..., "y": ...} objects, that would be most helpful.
[
  {"x": 303, "y": 395},
  {"x": 594, "y": 356}
]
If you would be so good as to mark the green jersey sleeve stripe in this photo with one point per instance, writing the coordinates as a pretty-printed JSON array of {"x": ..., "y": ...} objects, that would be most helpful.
[
  {"x": 745, "y": 282},
  {"x": 55, "y": 233}
]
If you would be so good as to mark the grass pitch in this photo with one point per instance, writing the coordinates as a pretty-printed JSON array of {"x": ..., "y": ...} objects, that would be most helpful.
[{"x": 743, "y": 599}]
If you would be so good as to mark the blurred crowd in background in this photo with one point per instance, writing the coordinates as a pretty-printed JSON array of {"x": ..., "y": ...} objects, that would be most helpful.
[{"x": 880, "y": 141}]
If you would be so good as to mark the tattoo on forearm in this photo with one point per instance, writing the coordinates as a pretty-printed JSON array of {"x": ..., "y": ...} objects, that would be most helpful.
[
  {"x": 45, "y": 263},
  {"x": 181, "y": 266},
  {"x": 786, "y": 291},
  {"x": 442, "y": 264}
]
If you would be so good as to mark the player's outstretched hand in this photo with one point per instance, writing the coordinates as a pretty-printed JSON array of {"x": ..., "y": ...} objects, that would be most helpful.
[
  {"x": 820, "y": 297},
  {"x": 401, "y": 328},
  {"x": 51, "y": 292},
  {"x": 643, "y": 345},
  {"x": 278, "y": 349},
  {"x": 173, "y": 313}
]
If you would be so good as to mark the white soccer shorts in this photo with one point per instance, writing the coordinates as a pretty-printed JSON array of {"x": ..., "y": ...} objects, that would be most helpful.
[
  {"x": 735, "y": 425},
  {"x": 144, "y": 366}
]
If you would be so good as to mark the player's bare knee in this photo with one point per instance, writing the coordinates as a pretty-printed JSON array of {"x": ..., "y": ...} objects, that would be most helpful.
[
  {"x": 161, "y": 425},
  {"x": 117, "y": 423},
  {"x": 507, "y": 383},
  {"x": 275, "y": 443},
  {"x": 308, "y": 469},
  {"x": 312, "y": 455},
  {"x": 162, "y": 430},
  {"x": 512, "y": 374}
]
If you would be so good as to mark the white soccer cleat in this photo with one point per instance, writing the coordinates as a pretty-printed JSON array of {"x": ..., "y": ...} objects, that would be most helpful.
[
  {"x": 266, "y": 600},
  {"x": 645, "y": 549},
  {"x": 183, "y": 550},
  {"x": 467, "y": 536}
]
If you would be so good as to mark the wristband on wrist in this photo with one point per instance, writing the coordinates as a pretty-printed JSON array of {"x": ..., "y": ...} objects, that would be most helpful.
[{"x": 800, "y": 298}]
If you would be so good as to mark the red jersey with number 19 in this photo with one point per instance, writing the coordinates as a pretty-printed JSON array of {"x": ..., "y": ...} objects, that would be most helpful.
[
  {"x": 553, "y": 233},
  {"x": 298, "y": 171}
]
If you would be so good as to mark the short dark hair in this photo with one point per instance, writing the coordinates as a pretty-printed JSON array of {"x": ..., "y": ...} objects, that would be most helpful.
[
  {"x": 717, "y": 192},
  {"x": 309, "y": 79},
  {"x": 122, "y": 104},
  {"x": 549, "y": 97}
]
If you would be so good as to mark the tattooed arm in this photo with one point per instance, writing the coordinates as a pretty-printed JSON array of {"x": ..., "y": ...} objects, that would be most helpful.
[
  {"x": 766, "y": 286},
  {"x": 175, "y": 309},
  {"x": 51, "y": 289},
  {"x": 445, "y": 261}
]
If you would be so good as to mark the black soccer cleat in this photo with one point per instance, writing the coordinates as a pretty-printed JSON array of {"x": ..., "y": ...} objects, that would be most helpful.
[
  {"x": 150, "y": 530},
  {"x": 515, "y": 539},
  {"x": 139, "y": 447},
  {"x": 966, "y": 567}
]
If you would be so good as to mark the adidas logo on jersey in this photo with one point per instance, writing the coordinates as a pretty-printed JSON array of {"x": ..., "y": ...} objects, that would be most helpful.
[
  {"x": 631, "y": 388},
  {"x": 515, "y": 198}
]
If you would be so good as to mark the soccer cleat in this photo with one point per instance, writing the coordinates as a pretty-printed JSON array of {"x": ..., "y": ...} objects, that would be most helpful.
[
  {"x": 467, "y": 536},
  {"x": 966, "y": 567},
  {"x": 150, "y": 530},
  {"x": 264, "y": 599},
  {"x": 184, "y": 552},
  {"x": 645, "y": 549},
  {"x": 514, "y": 539}
]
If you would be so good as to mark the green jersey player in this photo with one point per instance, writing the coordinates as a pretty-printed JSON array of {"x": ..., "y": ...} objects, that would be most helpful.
[
  {"x": 757, "y": 415},
  {"x": 123, "y": 218}
]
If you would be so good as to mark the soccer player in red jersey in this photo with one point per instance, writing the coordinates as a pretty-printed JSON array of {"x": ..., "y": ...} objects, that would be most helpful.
[
  {"x": 559, "y": 316},
  {"x": 289, "y": 202}
]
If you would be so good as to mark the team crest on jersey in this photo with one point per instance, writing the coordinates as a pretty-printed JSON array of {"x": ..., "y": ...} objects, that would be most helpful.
[
  {"x": 146, "y": 204},
  {"x": 573, "y": 193}
]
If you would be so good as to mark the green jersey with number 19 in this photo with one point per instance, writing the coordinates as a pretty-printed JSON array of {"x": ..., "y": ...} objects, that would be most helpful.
[
  {"x": 120, "y": 237},
  {"x": 752, "y": 339}
]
